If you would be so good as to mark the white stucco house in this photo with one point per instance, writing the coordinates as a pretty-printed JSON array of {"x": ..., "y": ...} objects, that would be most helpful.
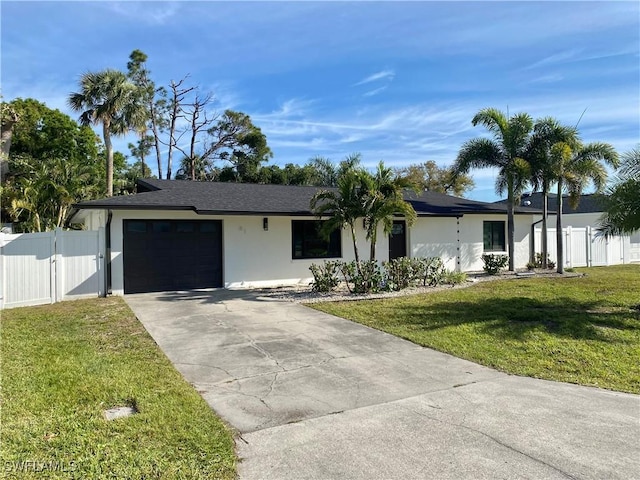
[{"x": 175, "y": 235}]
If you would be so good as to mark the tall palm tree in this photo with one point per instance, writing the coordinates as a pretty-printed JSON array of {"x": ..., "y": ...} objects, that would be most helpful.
[
  {"x": 573, "y": 169},
  {"x": 384, "y": 200},
  {"x": 110, "y": 99},
  {"x": 343, "y": 206},
  {"x": 506, "y": 152},
  {"x": 622, "y": 205},
  {"x": 546, "y": 132}
]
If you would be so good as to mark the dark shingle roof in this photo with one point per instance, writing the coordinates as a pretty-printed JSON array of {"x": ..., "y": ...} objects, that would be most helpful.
[
  {"x": 257, "y": 199},
  {"x": 589, "y": 203}
]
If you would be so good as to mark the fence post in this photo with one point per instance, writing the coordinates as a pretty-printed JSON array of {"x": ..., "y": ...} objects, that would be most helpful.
[
  {"x": 3, "y": 276},
  {"x": 100, "y": 260},
  {"x": 58, "y": 252},
  {"x": 568, "y": 247}
]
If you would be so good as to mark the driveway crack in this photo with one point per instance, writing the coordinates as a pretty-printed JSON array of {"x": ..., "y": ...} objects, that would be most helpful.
[{"x": 490, "y": 437}]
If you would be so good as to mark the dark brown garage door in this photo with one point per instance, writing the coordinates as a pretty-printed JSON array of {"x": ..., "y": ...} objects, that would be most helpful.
[{"x": 161, "y": 255}]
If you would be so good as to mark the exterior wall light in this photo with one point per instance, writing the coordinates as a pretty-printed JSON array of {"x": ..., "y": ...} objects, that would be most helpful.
[{"x": 265, "y": 224}]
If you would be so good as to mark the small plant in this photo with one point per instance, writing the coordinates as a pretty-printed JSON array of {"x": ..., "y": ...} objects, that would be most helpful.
[
  {"x": 430, "y": 270},
  {"x": 368, "y": 278},
  {"x": 531, "y": 266},
  {"x": 551, "y": 265},
  {"x": 494, "y": 264},
  {"x": 454, "y": 278},
  {"x": 325, "y": 276},
  {"x": 400, "y": 272}
]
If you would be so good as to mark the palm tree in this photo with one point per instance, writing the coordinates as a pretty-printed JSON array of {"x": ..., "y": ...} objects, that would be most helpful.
[
  {"x": 506, "y": 152},
  {"x": 546, "y": 132},
  {"x": 110, "y": 99},
  {"x": 383, "y": 201},
  {"x": 622, "y": 205},
  {"x": 573, "y": 169},
  {"x": 343, "y": 206}
]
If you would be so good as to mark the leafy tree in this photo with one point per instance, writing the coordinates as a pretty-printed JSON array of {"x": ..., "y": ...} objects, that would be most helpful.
[
  {"x": 383, "y": 201},
  {"x": 324, "y": 172},
  {"x": 235, "y": 139},
  {"x": 42, "y": 132},
  {"x": 506, "y": 152},
  {"x": 546, "y": 133},
  {"x": 40, "y": 195},
  {"x": 197, "y": 169},
  {"x": 140, "y": 150},
  {"x": 153, "y": 100},
  {"x": 110, "y": 99},
  {"x": 428, "y": 176},
  {"x": 573, "y": 169},
  {"x": 8, "y": 118},
  {"x": 622, "y": 203},
  {"x": 52, "y": 159}
]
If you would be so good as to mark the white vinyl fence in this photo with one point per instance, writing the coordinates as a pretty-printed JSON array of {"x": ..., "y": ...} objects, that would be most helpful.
[
  {"x": 582, "y": 248},
  {"x": 38, "y": 268}
]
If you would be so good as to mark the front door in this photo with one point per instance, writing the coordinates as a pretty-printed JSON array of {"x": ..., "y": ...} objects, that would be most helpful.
[{"x": 398, "y": 240}]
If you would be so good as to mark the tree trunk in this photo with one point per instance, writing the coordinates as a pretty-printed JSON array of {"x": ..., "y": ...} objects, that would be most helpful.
[
  {"x": 374, "y": 238},
  {"x": 156, "y": 137},
  {"x": 545, "y": 214},
  {"x": 511, "y": 229},
  {"x": 107, "y": 144},
  {"x": 5, "y": 142},
  {"x": 559, "y": 232}
]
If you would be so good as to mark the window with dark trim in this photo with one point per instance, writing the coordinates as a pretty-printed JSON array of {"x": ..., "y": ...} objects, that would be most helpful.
[
  {"x": 494, "y": 236},
  {"x": 308, "y": 242}
]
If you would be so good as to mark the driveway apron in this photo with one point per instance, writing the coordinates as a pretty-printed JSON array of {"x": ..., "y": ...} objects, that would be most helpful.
[{"x": 316, "y": 396}]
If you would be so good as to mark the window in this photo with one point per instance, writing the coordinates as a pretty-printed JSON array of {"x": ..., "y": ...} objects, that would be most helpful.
[
  {"x": 494, "y": 237},
  {"x": 309, "y": 243}
]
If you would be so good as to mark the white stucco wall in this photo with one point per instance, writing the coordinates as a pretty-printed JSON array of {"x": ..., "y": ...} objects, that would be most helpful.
[
  {"x": 253, "y": 257},
  {"x": 441, "y": 237}
]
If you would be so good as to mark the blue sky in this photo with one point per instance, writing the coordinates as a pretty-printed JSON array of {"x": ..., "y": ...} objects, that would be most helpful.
[{"x": 395, "y": 81}]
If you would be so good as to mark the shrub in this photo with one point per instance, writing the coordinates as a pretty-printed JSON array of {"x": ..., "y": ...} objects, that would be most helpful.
[
  {"x": 537, "y": 263},
  {"x": 325, "y": 276},
  {"x": 453, "y": 278},
  {"x": 368, "y": 279},
  {"x": 431, "y": 271},
  {"x": 493, "y": 264},
  {"x": 400, "y": 272}
]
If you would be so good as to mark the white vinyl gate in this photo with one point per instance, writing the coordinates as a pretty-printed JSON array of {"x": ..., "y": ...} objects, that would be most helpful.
[
  {"x": 38, "y": 268},
  {"x": 582, "y": 248}
]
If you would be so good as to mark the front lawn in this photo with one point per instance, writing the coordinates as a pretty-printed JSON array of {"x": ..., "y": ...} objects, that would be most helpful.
[
  {"x": 583, "y": 330},
  {"x": 64, "y": 364}
]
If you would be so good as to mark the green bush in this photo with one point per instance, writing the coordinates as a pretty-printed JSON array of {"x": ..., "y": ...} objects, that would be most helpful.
[
  {"x": 494, "y": 264},
  {"x": 450, "y": 277},
  {"x": 325, "y": 276},
  {"x": 431, "y": 270},
  {"x": 369, "y": 278},
  {"x": 400, "y": 272}
]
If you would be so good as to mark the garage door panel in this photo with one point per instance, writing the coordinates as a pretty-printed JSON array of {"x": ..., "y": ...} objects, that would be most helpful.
[{"x": 164, "y": 255}]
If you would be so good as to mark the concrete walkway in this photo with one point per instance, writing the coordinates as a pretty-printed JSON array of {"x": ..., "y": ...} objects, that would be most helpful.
[{"x": 315, "y": 396}]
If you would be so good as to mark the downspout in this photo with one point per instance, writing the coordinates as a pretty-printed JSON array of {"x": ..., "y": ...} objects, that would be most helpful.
[
  {"x": 458, "y": 252},
  {"x": 532, "y": 243},
  {"x": 107, "y": 236}
]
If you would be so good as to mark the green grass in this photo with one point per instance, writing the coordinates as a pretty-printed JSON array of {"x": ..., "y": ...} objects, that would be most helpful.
[
  {"x": 63, "y": 364},
  {"x": 583, "y": 330}
]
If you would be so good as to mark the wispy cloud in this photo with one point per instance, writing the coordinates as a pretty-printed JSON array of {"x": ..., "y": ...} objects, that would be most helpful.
[
  {"x": 156, "y": 13},
  {"x": 554, "y": 59},
  {"x": 371, "y": 93},
  {"x": 387, "y": 75}
]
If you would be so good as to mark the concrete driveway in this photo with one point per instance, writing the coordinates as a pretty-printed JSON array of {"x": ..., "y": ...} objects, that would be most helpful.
[{"x": 315, "y": 396}]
